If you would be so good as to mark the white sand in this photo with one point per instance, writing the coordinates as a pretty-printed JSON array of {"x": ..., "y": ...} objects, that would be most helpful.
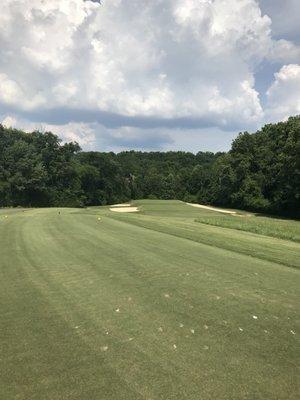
[
  {"x": 213, "y": 208},
  {"x": 124, "y": 209},
  {"x": 121, "y": 205}
]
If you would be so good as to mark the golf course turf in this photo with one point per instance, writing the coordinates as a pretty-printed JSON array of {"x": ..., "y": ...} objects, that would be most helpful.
[{"x": 148, "y": 305}]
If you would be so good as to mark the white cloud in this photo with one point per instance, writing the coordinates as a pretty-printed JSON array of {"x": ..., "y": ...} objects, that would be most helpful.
[
  {"x": 284, "y": 51},
  {"x": 160, "y": 59},
  {"x": 82, "y": 133},
  {"x": 91, "y": 135},
  {"x": 284, "y": 16},
  {"x": 284, "y": 94},
  {"x": 12, "y": 93},
  {"x": 9, "y": 122},
  {"x": 10, "y": 90}
]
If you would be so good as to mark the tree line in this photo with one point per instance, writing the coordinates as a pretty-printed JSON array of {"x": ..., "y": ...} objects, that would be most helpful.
[{"x": 261, "y": 172}]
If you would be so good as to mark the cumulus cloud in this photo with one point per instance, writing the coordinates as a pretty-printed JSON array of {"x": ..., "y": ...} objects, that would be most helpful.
[
  {"x": 284, "y": 16},
  {"x": 95, "y": 135},
  {"x": 91, "y": 135},
  {"x": 284, "y": 51},
  {"x": 137, "y": 63},
  {"x": 82, "y": 133},
  {"x": 284, "y": 94}
]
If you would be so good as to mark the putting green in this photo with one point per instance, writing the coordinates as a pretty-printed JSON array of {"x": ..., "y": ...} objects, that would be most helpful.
[{"x": 148, "y": 305}]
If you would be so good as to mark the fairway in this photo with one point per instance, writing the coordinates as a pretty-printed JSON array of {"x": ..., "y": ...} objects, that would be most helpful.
[{"x": 153, "y": 304}]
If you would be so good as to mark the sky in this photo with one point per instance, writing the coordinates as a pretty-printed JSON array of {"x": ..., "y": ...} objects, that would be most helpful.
[{"x": 149, "y": 75}]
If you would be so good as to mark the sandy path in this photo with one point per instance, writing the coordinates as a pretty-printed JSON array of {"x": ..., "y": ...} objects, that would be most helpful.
[
  {"x": 124, "y": 209},
  {"x": 213, "y": 209}
]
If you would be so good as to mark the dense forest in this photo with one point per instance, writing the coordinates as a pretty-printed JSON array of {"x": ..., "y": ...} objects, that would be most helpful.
[{"x": 261, "y": 172}]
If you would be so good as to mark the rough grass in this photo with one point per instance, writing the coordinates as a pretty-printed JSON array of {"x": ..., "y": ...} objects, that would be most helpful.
[
  {"x": 275, "y": 227},
  {"x": 144, "y": 306}
]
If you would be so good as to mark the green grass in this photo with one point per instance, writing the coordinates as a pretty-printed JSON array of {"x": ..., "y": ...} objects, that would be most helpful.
[
  {"x": 275, "y": 227},
  {"x": 174, "y": 281}
]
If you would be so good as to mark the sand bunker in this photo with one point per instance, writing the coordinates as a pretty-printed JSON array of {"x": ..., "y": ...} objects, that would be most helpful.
[
  {"x": 213, "y": 209},
  {"x": 124, "y": 209}
]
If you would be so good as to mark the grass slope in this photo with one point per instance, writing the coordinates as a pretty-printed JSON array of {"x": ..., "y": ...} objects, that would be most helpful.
[
  {"x": 145, "y": 306},
  {"x": 275, "y": 227}
]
